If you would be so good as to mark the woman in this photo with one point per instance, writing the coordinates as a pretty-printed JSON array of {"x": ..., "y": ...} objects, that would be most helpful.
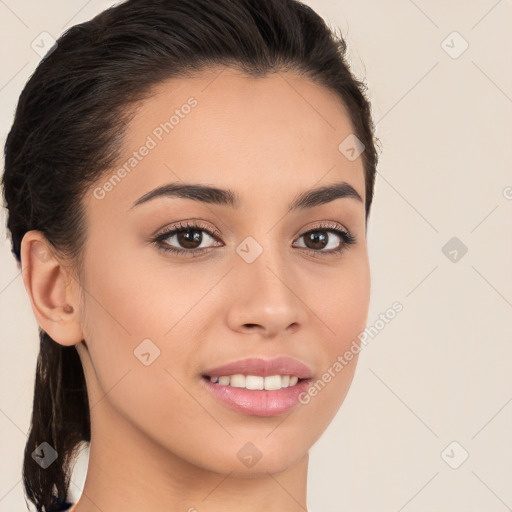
[{"x": 188, "y": 185}]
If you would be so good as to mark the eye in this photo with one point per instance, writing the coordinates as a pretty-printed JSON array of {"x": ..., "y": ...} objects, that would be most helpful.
[
  {"x": 321, "y": 237},
  {"x": 189, "y": 237}
]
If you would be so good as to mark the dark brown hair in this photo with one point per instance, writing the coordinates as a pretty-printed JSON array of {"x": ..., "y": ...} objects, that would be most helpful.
[{"x": 68, "y": 130}]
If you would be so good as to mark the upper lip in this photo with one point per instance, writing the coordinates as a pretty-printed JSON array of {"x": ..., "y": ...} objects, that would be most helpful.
[{"x": 262, "y": 367}]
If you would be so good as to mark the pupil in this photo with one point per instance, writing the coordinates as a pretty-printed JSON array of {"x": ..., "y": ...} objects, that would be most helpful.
[
  {"x": 317, "y": 239},
  {"x": 189, "y": 238}
]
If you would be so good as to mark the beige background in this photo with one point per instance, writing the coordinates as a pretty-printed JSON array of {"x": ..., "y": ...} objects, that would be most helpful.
[{"x": 441, "y": 370}]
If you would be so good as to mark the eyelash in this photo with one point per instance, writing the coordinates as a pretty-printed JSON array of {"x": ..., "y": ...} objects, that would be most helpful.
[{"x": 347, "y": 238}]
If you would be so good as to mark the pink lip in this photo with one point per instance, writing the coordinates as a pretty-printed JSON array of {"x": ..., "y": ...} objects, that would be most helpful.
[
  {"x": 262, "y": 368},
  {"x": 259, "y": 402}
]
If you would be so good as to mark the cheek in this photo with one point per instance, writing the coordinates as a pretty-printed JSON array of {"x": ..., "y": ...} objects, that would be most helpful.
[
  {"x": 133, "y": 308},
  {"x": 342, "y": 305},
  {"x": 349, "y": 310},
  {"x": 340, "y": 299},
  {"x": 127, "y": 298},
  {"x": 130, "y": 312}
]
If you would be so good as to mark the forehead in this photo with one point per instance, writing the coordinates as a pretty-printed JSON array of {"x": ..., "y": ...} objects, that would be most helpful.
[{"x": 269, "y": 136}]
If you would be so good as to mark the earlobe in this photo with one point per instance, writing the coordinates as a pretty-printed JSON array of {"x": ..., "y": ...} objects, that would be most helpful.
[{"x": 46, "y": 280}]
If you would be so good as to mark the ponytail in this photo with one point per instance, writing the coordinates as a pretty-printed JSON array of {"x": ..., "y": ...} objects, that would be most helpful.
[{"x": 60, "y": 418}]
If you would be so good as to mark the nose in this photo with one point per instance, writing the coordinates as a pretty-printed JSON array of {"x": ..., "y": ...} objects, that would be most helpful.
[{"x": 267, "y": 298}]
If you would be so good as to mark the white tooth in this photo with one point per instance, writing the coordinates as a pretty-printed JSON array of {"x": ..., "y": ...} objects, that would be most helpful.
[
  {"x": 237, "y": 381},
  {"x": 272, "y": 382},
  {"x": 224, "y": 381},
  {"x": 254, "y": 382}
]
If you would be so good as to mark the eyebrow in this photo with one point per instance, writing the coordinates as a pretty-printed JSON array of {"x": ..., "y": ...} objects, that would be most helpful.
[{"x": 226, "y": 197}]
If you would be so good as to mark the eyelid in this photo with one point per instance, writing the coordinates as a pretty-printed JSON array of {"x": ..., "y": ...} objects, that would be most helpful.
[
  {"x": 184, "y": 224},
  {"x": 347, "y": 239},
  {"x": 187, "y": 224},
  {"x": 323, "y": 224}
]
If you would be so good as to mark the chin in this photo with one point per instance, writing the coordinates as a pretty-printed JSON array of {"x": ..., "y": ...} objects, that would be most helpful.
[{"x": 273, "y": 460}]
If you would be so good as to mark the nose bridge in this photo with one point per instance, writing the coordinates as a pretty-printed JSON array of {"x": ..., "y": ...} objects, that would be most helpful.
[
  {"x": 262, "y": 260},
  {"x": 265, "y": 294}
]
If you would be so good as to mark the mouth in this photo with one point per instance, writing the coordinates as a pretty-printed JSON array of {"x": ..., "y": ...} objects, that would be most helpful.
[
  {"x": 255, "y": 382},
  {"x": 259, "y": 387}
]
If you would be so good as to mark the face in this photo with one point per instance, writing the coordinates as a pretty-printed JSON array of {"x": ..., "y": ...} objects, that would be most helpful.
[{"x": 246, "y": 277}]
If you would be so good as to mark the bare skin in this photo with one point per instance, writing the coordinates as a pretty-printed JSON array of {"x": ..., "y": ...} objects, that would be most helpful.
[{"x": 160, "y": 440}]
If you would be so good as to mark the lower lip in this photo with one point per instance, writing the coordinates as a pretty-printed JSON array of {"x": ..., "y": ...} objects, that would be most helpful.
[{"x": 258, "y": 402}]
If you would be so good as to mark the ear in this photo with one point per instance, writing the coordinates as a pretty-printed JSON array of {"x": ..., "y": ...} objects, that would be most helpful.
[{"x": 53, "y": 293}]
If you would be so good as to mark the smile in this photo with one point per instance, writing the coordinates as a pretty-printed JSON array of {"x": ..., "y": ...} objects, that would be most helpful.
[
  {"x": 258, "y": 386},
  {"x": 256, "y": 382}
]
